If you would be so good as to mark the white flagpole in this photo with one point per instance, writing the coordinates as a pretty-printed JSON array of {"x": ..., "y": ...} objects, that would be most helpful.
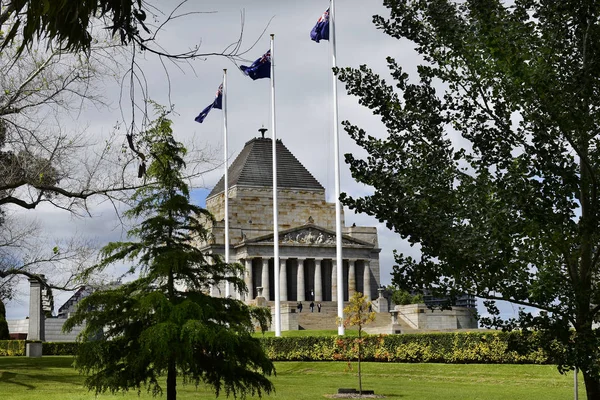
[
  {"x": 226, "y": 178},
  {"x": 338, "y": 206},
  {"x": 275, "y": 211}
]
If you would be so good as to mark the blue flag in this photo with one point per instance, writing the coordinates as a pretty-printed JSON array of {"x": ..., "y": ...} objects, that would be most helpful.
[
  {"x": 260, "y": 68},
  {"x": 218, "y": 103},
  {"x": 321, "y": 29}
]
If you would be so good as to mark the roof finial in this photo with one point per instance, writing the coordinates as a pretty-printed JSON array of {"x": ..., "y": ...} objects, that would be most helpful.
[{"x": 262, "y": 131}]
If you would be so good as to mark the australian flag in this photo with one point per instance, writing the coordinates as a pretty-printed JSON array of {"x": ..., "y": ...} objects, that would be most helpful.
[
  {"x": 321, "y": 29},
  {"x": 260, "y": 68},
  {"x": 218, "y": 103}
]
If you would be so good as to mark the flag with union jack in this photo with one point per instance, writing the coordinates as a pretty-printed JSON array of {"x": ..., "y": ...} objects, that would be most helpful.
[
  {"x": 260, "y": 68},
  {"x": 321, "y": 29},
  {"x": 218, "y": 103}
]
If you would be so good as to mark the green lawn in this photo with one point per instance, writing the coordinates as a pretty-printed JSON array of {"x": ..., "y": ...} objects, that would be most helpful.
[{"x": 52, "y": 378}]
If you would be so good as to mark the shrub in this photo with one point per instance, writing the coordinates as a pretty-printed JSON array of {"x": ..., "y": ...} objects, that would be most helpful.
[
  {"x": 459, "y": 347},
  {"x": 59, "y": 348},
  {"x": 12, "y": 347}
]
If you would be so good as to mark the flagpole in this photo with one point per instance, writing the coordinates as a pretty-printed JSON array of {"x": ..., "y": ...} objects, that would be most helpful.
[
  {"x": 275, "y": 211},
  {"x": 338, "y": 206},
  {"x": 225, "y": 177}
]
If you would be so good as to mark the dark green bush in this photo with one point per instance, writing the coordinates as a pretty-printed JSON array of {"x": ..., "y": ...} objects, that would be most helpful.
[{"x": 59, "y": 348}]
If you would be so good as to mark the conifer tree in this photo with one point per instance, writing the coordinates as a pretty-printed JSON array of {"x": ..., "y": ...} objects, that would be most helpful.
[{"x": 163, "y": 322}]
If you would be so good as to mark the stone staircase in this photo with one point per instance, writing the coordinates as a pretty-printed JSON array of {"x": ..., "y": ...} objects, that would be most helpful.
[{"x": 326, "y": 320}]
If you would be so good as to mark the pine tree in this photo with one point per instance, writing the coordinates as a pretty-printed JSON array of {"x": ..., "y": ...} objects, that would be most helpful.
[{"x": 163, "y": 322}]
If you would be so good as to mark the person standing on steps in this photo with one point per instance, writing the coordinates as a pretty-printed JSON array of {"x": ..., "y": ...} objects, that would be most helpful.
[
  {"x": 312, "y": 306},
  {"x": 300, "y": 307},
  {"x": 319, "y": 307}
]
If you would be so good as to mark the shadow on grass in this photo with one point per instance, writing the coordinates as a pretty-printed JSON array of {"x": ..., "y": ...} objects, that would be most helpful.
[
  {"x": 8, "y": 377},
  {"x": 47, "y": 370}
]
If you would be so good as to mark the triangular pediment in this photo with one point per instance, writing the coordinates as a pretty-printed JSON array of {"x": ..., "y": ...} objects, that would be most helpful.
[{"x": 309, "y": 234}]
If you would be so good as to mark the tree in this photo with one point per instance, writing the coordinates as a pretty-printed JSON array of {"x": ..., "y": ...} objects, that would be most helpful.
[
  {"x": 69, "y": 24},
  {"x": 403, "y": 297},
  {"x": 71, "y": 27},
  {"x": 163, "y": 321},
  {"x": 42, "y": 161},
  {"x": 491, "y": 163},
  {"x": 357, "y": 314},
  {"x": 27, "y": 251}
]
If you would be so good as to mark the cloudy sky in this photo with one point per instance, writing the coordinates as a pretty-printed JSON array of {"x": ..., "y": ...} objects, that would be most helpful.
[{"x": 303, "y": 85}]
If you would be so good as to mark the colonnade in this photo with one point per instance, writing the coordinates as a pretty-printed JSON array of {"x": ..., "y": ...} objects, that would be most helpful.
[{"x": 306, "y": 279}]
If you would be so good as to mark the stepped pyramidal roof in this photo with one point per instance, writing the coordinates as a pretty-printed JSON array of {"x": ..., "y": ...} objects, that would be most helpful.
[{"x": 253, "y": 167}]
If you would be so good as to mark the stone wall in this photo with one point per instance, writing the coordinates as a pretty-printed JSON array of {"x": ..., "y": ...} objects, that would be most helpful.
[
  {"x": 251, "y": 211},
  {"x": 418, "y": 316}
]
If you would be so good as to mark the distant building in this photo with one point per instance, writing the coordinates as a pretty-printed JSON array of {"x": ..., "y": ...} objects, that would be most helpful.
[
  {"x": 307, "y": 244},
  {"x": 70, "y": 305},
  {"x": 465, "y": 300}
]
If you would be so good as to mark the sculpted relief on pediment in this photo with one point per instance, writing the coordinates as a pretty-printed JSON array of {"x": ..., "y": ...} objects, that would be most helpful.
[{"x": 307, "y": 236}]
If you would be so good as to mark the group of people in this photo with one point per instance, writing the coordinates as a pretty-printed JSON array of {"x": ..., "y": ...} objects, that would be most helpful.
[{"x": 311, "y": 305}]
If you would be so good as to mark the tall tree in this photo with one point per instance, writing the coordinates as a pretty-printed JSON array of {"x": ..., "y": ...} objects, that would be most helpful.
[
  {"x": 42, "y": 160},
  {"x": 163, "y": 322},
  {"x": 491, "y": 163},
  {"x": 71, "y": 28}
]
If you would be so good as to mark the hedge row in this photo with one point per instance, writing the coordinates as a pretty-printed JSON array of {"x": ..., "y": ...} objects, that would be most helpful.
[
  {"x": 12, "y": 347},
  {"x": 17, "y": 348},
  {"x": 464, "y": 347},
  {"x": 469, "y": 347},
  {"x": 59, "y": 348}
]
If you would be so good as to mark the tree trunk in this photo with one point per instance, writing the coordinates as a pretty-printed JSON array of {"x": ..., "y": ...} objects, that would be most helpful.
[
  {"x": 172, "y": 380},
  {"x": 359, "y": 357},
  {"x": 592, "y": 386},
  {"x": 4, "y": 334}
]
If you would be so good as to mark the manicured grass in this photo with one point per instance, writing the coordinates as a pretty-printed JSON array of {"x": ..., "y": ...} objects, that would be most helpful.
[{"x": 52, "y": 378}]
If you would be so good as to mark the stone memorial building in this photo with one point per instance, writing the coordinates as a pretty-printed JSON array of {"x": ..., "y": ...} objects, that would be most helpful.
[{"x": 307, "y": 245}]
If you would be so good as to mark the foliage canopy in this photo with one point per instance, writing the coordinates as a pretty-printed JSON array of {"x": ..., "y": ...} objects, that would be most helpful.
[
  {"x": 492, "y": 159},
  {"x": 69, "y": 23}
]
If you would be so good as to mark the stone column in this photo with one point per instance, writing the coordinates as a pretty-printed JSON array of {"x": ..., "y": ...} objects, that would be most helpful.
[
  {"x": 248, "y": 278},
  {"x": 333, "y": 280},
  {"x": 301, "y": 286},
  {"x": 318, "y": 281},
  {"x": 36, "y": 314},
  {"x": 283, "y": 279},
  {"x": 367, "y": 280},
  {"x": 351, "y": 278},
  {"x": 265, "y": 279}
]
